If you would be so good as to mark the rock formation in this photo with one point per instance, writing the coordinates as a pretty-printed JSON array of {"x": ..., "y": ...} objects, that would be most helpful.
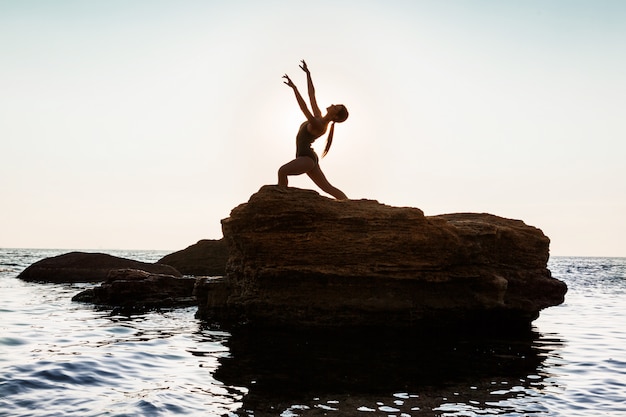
[
  {"x": 140, "y": 289},
  {"x": 300, "y": 259},
  {"x": 207, "y": 257},
  {"x": 86, "y": 267}
]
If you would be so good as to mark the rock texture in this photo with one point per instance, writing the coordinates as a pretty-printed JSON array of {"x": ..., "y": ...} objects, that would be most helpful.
[
  {"x": 300, "y": 259},
  {"x": 140, "y": 289},
  {"x": 207, "y": 257},
  {"x": 86, "y": 267}
]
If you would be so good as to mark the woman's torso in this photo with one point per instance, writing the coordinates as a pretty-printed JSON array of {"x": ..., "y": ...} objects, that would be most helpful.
[{"x": 304, "y": 140}]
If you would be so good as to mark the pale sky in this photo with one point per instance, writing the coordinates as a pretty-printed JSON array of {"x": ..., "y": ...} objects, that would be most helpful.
[{"x": 140, "y": 124}]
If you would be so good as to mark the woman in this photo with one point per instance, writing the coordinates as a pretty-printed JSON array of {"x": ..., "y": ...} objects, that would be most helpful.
[{"x": 315, "y": 126}]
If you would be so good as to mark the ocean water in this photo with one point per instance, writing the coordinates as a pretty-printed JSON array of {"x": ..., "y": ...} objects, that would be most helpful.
[{"x": 61, "y": 358}]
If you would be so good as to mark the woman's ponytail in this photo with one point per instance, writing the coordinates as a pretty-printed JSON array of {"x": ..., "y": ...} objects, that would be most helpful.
[
  {"x": 329, "y": 140},
  {"x": 341, "y": 116}
]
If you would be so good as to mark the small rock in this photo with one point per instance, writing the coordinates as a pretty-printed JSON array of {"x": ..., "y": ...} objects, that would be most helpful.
[
  {"x": 135, "y": 288},
  {"x": 206, "y": 258},
  {"x": 86, "y": 267}
]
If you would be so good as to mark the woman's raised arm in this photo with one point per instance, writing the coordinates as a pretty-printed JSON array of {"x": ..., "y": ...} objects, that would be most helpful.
[
  {"x": 301, "y": 101},
  {"x": 316, "y": 110}
]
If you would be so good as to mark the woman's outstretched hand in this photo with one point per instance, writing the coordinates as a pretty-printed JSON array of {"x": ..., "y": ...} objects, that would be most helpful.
[
  {"x": 304, "y": 67},
  {"x": 288, "y": 81}
]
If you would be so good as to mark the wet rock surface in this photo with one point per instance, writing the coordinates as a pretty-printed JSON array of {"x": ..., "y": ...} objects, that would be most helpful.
[{"x": 131, "y": 288}]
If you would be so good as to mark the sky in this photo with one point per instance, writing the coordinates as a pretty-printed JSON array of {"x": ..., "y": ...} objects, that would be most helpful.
[{"x": 141, "y": 124}]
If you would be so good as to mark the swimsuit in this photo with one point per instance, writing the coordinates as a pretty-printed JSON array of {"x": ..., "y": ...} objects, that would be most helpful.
[{"x": 304, "y": 139}]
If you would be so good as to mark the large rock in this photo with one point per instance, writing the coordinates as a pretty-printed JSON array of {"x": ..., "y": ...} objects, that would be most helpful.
[
  {"x": 207, "y": 257},
  {"x": 86, "y": 267},
  {"x": 140, "y": 289},
  {"x": 300, "y": 259}
]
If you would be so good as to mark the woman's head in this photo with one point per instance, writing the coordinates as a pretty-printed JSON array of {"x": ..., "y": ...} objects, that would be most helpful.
[{"x": 339, "y": 112}]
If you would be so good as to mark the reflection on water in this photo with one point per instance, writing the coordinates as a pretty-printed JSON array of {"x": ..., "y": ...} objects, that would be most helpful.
[{"x": 384, "y": 373}]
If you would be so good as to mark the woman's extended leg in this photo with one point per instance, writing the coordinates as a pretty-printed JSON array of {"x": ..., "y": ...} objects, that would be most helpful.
[
  {"x": 298, "y": 166},
  {"x": 320, "y": 180}
]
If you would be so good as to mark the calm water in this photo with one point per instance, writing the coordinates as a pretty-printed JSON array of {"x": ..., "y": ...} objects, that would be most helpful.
[{"x": 59, "y": 358}]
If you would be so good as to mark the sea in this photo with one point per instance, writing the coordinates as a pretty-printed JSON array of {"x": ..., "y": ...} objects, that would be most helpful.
[{"x": 64, "y": 358}]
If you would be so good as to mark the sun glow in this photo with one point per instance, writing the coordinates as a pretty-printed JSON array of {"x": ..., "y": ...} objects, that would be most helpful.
[{"x": 452, "y": 108}]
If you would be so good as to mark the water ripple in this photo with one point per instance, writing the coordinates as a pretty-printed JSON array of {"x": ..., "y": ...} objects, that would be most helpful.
[{"x": 64, "y": 358}]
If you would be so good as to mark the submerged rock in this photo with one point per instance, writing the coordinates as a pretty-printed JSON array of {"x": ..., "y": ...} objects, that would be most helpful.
[
  {"x": 207, "y": 257},
  {"x": 140, "y": 289},
  {"x": 86, "y": 267},
  {"x": 300, "y": 259}
]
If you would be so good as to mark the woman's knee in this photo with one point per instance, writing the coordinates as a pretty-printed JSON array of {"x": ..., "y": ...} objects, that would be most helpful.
[{"x": 282, "y": 171}]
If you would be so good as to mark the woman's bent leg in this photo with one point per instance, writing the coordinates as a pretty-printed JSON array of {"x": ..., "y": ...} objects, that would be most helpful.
[
  {"x": 298, "y": 166},
  {"x": 320, "y": 180}
]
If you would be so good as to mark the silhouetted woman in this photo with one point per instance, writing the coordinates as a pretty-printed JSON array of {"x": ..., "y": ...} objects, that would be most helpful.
[{"x": 315, "y": 126}]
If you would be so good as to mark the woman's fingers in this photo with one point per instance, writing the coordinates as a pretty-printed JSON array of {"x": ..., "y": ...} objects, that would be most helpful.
[{"x": 304, "y": 66}]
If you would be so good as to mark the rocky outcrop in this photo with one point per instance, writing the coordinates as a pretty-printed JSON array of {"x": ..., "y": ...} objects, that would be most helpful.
[
  {"x": 86, "y": 267},
  {"x": 139, "y": 290},
  {"x": 300, "y": 259},
  {"x": 207, "y": 258}
]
